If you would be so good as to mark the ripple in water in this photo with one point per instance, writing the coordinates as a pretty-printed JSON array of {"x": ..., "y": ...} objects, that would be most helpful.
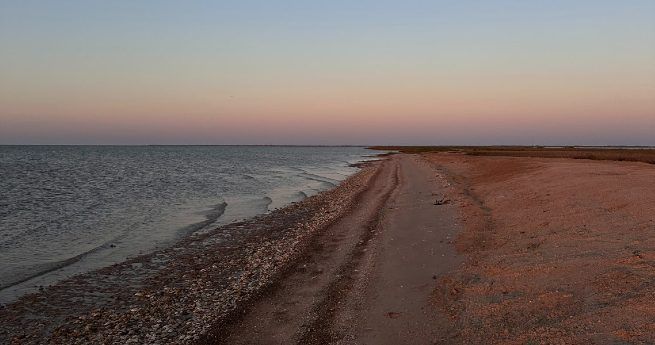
[{"x": 70, "y": 209}]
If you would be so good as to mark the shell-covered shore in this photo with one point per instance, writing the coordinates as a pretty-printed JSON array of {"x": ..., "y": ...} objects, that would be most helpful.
[{"x": 182, "y": 294}]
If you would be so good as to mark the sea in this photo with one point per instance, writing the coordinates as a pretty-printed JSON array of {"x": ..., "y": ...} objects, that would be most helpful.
[{"x": 66, "y": 210}]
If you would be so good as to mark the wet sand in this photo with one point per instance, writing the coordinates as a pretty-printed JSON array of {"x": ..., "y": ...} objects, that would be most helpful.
[{"x": 421, "y": 249}]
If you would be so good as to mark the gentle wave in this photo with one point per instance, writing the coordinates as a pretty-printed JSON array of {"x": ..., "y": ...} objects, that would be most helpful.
[{"x": 66, "y": 210}]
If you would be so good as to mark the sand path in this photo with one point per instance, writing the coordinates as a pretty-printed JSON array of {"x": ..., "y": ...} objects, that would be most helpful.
[{"x": 369, "y": 277}]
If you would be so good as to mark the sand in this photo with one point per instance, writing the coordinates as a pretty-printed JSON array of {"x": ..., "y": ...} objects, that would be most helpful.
[
  {"x": 416, "y": 249},
  {"x": 370, "y": 276},
  {"x": 559, "y": 251},
  {"x": 522, "y": 251}
]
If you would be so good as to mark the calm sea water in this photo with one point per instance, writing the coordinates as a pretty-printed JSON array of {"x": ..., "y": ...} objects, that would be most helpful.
[{"x": 70, "y": 209}]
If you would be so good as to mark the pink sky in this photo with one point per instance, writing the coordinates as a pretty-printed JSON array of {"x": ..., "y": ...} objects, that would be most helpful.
[{"x": 450, "y": 74}]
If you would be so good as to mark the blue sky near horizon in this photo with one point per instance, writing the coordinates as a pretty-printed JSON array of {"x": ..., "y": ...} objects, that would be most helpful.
[{"x": 337, "y": 72}]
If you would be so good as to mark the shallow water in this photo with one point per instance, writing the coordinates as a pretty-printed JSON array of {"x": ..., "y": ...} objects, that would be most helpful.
[{"x": 70, "y": 209}]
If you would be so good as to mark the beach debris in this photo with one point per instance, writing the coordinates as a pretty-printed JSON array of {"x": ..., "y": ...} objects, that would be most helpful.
[{"x": 441, "y": 201}]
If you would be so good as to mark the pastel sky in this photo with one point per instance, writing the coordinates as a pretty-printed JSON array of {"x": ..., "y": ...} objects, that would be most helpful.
[{"x": 327, "y": 72}]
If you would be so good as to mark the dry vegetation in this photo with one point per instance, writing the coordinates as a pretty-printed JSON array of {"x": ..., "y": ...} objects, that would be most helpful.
[{"x": 633, "y": 154}]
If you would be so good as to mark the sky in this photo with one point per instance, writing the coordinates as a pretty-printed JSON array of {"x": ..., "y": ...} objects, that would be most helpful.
[{"x": 485, "y": 72}]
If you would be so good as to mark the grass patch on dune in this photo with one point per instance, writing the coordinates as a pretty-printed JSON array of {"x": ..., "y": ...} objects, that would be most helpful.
[{"x": 632, "y": 154}]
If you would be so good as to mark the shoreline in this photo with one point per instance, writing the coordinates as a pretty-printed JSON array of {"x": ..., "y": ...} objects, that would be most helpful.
[
  {"x": 369, "y": 276},
  {"x": 515, "y": 250},
  {"x": 431, "y": 247},
  {"x": 228, "y": 209},
  {"x": 71, "y": 211},
  {"x": 160, "y": 285}
]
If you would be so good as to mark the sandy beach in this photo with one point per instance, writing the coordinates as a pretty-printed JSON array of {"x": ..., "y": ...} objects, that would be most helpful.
[
  {"x": 327, "y": 172},
  {"x": 560, "y": 251},
  {"x": 415, "y": 248}
]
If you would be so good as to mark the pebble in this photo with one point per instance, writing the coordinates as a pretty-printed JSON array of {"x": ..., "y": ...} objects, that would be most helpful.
[{"x": 200, "y": 282}]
